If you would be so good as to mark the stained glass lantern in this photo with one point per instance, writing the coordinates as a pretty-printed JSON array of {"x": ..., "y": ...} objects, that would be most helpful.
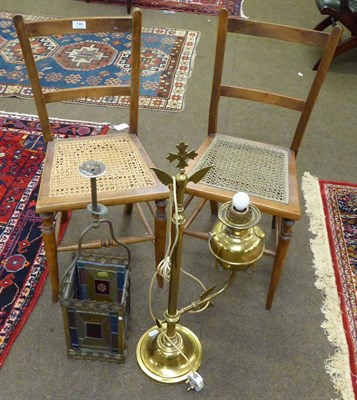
[
  {"x": 95, "y": 304},
  {"x": 95, "y": 289}
]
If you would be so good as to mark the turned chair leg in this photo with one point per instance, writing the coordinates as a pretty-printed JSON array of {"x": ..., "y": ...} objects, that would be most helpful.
[
  {"x": 273, "y": 222},
  {"x": 50, "y": 246},
  {"x": 281, "y": 253},
  {"x": 128, "y": 210},
  {"x": 160, "y": 235},
  {"x": 214, "y": 207}
]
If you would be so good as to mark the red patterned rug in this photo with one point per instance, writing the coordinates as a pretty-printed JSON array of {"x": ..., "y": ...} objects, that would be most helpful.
[
  {"x": 167, "y": 63},
  {"x": 22, "y": 261},
  {"x": 332, "y": 207},
  {"x": 234, "y": 7}
]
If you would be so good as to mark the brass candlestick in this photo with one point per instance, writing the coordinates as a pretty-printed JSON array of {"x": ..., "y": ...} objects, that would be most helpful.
[{"x": 168, "y": 352}]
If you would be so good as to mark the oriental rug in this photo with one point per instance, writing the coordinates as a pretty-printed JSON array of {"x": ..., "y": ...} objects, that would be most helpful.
[
  {"x": 332, "y": 207},
  {"x": 22, "y": 261},
  {"x": 211, "y": 7},
  {"x": 93, "y": 59}
]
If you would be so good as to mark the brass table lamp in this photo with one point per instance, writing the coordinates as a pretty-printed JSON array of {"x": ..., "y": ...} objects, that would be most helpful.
[{"x": 169, "y": 352}]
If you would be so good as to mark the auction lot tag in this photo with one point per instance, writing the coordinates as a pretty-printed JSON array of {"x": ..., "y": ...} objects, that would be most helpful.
[{"x": 79, "y": 24}]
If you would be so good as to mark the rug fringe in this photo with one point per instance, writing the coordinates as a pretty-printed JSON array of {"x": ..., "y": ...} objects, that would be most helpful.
[
  {"x": 338, "y": 364},
  {"x": 242, "y": 15}
]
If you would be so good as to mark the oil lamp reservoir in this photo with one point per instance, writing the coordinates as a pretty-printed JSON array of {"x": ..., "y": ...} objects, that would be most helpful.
[{"x": 236, "y": 241}]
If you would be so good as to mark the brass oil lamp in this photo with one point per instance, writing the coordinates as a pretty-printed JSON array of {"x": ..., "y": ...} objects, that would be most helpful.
[
  {"x": 169, "y": 352},
  {"x": 236, "y": 241}
]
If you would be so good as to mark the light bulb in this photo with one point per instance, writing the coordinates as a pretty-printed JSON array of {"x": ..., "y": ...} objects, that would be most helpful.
[{"x": 241, "y": 201}]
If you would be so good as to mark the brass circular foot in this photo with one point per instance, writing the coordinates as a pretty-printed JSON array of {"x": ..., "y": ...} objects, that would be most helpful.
[{"x": 163, "y": 360}]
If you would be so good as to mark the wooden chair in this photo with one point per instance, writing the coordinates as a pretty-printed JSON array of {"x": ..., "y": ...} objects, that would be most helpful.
[
  {"x": 129, "y": 178},
  {"x": 264, "y": 171},
  {"x": 344, "y": 11}
]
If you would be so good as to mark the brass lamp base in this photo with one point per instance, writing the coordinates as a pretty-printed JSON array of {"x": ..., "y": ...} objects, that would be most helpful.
[{"x": 163, "y": 361}]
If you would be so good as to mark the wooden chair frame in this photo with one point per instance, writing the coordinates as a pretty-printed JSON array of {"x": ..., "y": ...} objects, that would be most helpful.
[
  {"x": 284, "y": 215},
  {"x": 47, "y": 206}
]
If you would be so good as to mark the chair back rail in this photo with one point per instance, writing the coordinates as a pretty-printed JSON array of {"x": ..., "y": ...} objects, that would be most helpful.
[
  {"x": 277, "y": 32},
  {"x": 59, "y": 27}
]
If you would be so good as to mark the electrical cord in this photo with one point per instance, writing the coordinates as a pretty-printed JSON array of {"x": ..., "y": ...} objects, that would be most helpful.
[{"x": 164, "y": 267}]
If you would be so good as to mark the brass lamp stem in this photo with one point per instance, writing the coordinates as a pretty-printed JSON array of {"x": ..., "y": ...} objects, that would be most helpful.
[{"x": 177, "y": 223}]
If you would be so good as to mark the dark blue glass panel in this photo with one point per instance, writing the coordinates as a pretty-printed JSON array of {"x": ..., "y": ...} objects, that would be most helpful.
[
  {"x": 115, "y": 347},
  {"x": 71, "y": 318},
  {"x": 82, "y": 275},
  {"x": 121, "y": 278},
  {"x": 74, "y": 337},
  {"x": 84, "y": 292},
  {"x": 114, "y": 323}
]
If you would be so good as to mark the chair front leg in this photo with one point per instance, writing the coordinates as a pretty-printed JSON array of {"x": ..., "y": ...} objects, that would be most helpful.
[
  {"x": 128, "y": 209},
  {"x": 273, "y": 222},
  {"x": 50, "y": 245},
  {"x": 160, "y": 234},
  {"x": 280, "y": 256},
  {"x": 214, "y": 207}
]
